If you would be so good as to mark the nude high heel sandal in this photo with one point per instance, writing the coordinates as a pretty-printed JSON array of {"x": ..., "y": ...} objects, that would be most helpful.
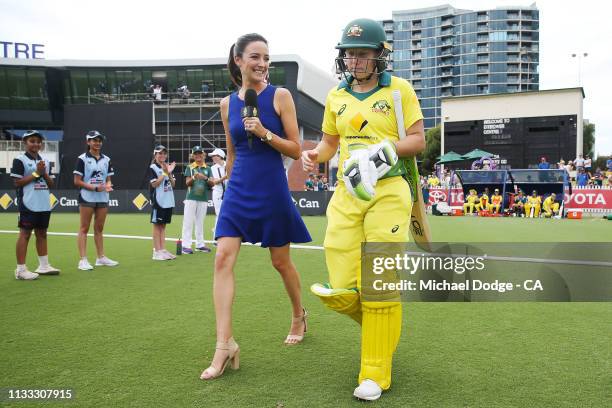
[
  {"x": 233, "y": 358},
  {"x": 293, "y": 339}
]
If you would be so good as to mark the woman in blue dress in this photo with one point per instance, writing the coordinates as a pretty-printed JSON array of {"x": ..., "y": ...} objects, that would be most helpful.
[{"x": 257, "y": 206}]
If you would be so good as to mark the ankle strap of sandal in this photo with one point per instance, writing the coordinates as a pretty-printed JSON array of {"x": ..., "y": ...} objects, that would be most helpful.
[
  {"x": 302, "y": 317},
  {"x": 226, "y": 345}
]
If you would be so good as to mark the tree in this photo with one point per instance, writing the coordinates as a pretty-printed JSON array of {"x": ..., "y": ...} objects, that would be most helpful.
[
  {"x": 432, "y": 150},
  {"x": 588, "y": 138},
  {"x": 601, "y": 162}
]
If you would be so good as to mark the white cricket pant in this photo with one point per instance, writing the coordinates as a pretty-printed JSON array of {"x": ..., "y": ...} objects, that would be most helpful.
[
  {"x": 217, "y": 198},
  {"x": 194, "y": 213}
]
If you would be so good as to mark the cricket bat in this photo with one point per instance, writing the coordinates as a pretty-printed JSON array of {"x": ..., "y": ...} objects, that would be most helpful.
[{"x": 419, "y": 225}]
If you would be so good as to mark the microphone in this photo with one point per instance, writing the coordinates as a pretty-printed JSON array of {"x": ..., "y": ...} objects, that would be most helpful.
[{"x": 250, "y": 110}]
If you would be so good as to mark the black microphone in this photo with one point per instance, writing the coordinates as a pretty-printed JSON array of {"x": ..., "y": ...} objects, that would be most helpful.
[{"x": 250, "y": 110}]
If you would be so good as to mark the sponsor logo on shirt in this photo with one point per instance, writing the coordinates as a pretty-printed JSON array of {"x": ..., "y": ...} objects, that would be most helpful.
[{"x": 381, "y": 106}]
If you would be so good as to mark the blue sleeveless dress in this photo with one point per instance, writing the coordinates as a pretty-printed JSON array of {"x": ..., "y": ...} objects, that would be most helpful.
[{"x": 257, "y": 205}]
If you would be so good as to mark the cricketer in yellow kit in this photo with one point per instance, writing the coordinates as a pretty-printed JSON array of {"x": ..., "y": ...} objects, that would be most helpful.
[
  {"x": 533, "y": 201},
  {"x": 496, "y": 201},
  {"x": 483, "y": 202},
  {"x": 360, "y": 116},
  {"x": 550, "y": 206},
  {"x": 470, "y": 202}
]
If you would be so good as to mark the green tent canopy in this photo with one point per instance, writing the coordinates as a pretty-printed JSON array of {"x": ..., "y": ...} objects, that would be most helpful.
[
  {"x": 450, "y": 157},
  {"x": 476, "y": 154}
]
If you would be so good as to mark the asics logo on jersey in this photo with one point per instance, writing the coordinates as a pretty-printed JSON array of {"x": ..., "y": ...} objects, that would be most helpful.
[
  {"x": 341, "y": 110},
  {"x": 394, "y": 229}
]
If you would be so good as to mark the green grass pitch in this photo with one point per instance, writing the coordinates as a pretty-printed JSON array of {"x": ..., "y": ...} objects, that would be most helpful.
[{"x": 139, "y": 335}]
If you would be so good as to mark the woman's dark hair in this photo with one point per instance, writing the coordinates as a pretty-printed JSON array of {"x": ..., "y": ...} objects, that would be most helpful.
[{"x": 236, "y": 51}]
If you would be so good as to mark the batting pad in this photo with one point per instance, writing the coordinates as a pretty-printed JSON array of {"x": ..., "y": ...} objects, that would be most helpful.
[
  {"x": 380, "y": 333},
  {"x": 345, "y": 301}
]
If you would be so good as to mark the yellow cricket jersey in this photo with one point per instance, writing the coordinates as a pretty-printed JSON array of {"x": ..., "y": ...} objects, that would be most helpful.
[
  {"x": 496, "y": 199},
  {"x": 368, "y": 118},
  {"x": 548, "y": 202},
  {"x": 534, "y": 200}
]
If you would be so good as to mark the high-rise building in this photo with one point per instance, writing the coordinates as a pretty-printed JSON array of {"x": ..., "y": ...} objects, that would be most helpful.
[{"x": 446, "y": 51}]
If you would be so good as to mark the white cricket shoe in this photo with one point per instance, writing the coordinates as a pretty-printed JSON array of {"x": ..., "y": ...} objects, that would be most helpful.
[
  {"x": 47, "y": 270},
  {"x": 169, "y": 254},
  {"x": 25, "y": 275},
  {"x": 105, "y": 261},
  {"x": 368, "y": 390},
  {"x": 84, "y": 265},
  {"x": 159, "y": 256}
]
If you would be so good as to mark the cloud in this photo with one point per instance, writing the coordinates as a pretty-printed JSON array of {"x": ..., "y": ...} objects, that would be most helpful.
[{"x": 120, "y": 29}]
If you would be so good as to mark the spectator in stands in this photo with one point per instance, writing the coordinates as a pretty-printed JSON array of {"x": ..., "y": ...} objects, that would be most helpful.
[
  {"x": 582, "y": 179},
  {"x": 572, "y": 171},
  {"x": 157, "y": 93},
  {"x": 519, "y": 204},
  {"x": 561, "y": 164},
  {"x": 609, "y": 164},
  {"x": 204, "y": 89},
  {"x": 309, "y": 183},
  {"x": 319, "y": 183},
  {"x": 447, "y": 179},
  {"x": 486, "y": 163},
  {"x": 433, "y": 180},
  {"x": 425, "y": 190},
  {"x": 325, "y": 183},
  {"x": 184, "y": 92},
  {"x": 579, "y": 162},
  {"x": 550, "y": 206},
  {"x": 422, "y": 180},
  {"x": 588, "y": 163},
  {"x": 598, "y": 177},
  {"x": 544, "y": 165},
  {"x": 533, "y": 205}
]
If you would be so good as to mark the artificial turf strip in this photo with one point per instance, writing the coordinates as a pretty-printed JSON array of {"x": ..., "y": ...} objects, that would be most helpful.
[{"x": 138, "y": 335}]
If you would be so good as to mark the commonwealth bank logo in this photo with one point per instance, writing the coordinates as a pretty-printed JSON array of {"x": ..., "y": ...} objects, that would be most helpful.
[
  {"x": 53, "y": 201},
  {"x": 6, "y": 201},
  {"x": 140, "y": 201},
  {"x": 358, "y": 122}
]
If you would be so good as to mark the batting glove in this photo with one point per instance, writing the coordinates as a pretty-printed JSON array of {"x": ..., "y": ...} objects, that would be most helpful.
[
  {"x": 384, "y": 156},
  {"x": 360, "y": 174}
]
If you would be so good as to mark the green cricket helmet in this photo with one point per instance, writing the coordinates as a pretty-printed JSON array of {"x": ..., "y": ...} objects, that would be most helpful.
[{"x": 363, "y": 33}]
